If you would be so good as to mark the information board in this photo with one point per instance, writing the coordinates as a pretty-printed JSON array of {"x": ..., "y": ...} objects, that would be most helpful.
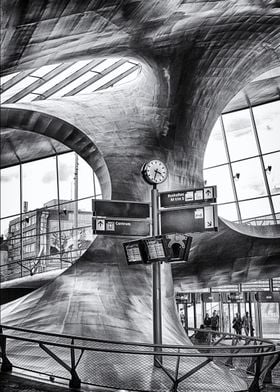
[
  {"x": 120, "y": 209},
  {"x": 133, "y": 252},
  {"x": 189, "y": 220},
  {"x": 120, "y": 227},
  {"x": 188, "y": 197},
  {"x": 155, "y": 248}
]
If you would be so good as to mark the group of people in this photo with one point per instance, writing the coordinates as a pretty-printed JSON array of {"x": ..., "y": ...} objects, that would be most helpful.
[
  {"x": 209, "y": 323},
  {"x": 212, "y": 323},
  {"x": 245, "y": 323}
]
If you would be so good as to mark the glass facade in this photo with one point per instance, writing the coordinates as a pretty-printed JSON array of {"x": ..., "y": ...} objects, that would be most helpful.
[
  {"x": 243, "y": 159},
  {"x": 245, "y": 164},
  {"x": 46, "y": 214},
  {"x": 239, "y": 135}
]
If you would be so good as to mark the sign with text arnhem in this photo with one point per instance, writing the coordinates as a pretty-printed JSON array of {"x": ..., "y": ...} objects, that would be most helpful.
[
  {"x": 188, "y": 196},
  {"x": 189, "y": 220},
  {"x": 120, "y": 227}
]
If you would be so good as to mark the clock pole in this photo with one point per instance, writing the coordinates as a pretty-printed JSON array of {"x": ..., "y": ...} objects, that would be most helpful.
[
  {"x": 157, "y": 322},
  {"x": 155, "y": 172}
]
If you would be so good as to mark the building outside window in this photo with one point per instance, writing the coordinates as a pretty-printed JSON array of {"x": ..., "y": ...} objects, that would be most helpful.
[{"x": 44, "y": 232}]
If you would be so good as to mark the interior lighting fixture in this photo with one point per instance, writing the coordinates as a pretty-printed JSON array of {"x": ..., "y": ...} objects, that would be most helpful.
[{"x": 237, "y": 176}]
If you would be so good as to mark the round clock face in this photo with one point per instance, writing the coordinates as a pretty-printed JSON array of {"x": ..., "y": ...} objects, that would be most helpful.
[{"x": 154, "y": 172}]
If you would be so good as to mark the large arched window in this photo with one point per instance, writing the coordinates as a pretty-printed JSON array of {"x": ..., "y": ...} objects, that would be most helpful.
[
  {"x": 46, "y": 213},
  {"x": 243, "y": 159}
]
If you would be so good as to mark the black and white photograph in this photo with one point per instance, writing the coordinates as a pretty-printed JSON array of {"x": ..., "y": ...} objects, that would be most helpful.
[{"x": 140, "y": 196}]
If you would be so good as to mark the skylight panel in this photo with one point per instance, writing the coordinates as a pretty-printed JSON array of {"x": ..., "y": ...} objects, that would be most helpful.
[
  {"x": 42, "y": 71},
  {"x": 63, "y": 75},
  {"x": 28, "y": 98},
  {"x": 5, "y": 78},
  {"x": 17, "y": 87},
  {"x": 77, "y": 82},
  {"x": 129, "y": 78},
  {"x": 105, "y": 64},
  {"x": 99, "y": 83},
  {"x": 63, "y": 79}
]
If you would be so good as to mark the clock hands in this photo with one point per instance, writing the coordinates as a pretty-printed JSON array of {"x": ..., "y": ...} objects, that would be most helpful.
[{"x": 156, "y": 173}]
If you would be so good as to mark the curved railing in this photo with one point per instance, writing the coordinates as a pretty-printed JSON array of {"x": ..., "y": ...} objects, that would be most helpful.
[{"x": 81, "y": 359}]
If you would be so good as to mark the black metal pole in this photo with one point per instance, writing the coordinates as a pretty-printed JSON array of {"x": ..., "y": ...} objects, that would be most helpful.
[
  {"x": 6, "y": 364},
  {"x": 157, "y": 323}
]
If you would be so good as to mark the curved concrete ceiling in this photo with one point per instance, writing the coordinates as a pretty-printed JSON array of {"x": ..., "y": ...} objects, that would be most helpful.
[
  {"x": 203, "y": 52},
  {"x": 37, "y": 33},
  {"x": 18, "y": 146},
  {"x": 44, "y": 126}
]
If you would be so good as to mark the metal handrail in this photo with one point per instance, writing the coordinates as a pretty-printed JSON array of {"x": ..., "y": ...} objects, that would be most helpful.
[
  {"x": 165, "y": 353},
  {"x": 257, "y": 366},
  {"x": 162, "y": 346}
]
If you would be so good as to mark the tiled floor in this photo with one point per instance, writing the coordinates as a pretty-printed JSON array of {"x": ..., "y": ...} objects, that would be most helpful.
[{"x": 13, "y": 383}]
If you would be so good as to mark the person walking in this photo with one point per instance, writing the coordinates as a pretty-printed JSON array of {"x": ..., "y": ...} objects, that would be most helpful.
[
  {"x": 247, "y": 324},
  {"x": 215, "y": 323},
  {"x": 207, "y": 321},
  {"x": 207, "y": 324},
  {"x": 237, "y": 324}
]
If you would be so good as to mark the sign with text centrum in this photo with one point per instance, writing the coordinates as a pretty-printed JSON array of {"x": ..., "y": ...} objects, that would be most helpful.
[
  {"x": 188, "y": 196},
  {"x": 120, "y": 227}
]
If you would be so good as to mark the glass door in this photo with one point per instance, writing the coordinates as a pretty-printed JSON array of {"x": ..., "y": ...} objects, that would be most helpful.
[{"x": 270, "y": 320}]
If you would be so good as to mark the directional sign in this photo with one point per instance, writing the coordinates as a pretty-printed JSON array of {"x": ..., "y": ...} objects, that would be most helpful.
[
  {"x": 268, "y": 296},
  {"x": 120, "y": 209},
  {"x": 210, "y": 297},
  {"x": 234, "y": 297},
  {"x": 188, "y": 196},
  {"x": 120, "y": 227},
  {"x": 189, "y": 220}
]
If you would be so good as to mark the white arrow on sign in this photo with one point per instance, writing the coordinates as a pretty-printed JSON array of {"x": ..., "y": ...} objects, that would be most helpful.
[
  {"x": 100, "y": 224},
  {"x": 208, "y": 193}
]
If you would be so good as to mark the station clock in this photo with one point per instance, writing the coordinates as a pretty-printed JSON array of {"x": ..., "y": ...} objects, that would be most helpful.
[{"x": 154, "y": 172}]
